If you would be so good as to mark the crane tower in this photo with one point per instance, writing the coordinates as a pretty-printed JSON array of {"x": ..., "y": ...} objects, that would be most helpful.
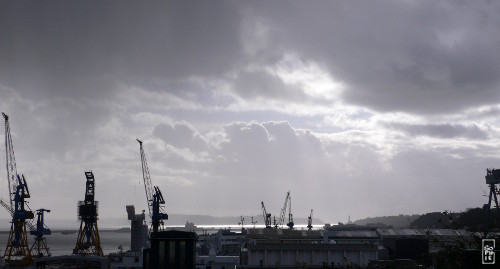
[{"x": 88, "y": 241}]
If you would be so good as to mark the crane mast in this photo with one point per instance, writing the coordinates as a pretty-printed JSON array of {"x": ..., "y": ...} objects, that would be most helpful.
[
  {"x": 10, "y": 161},
  {"x": 147, "y": 179}
]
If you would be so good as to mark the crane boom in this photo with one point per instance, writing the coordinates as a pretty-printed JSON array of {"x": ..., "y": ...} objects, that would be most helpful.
[
  {"x": 147, "y": 179},
  {"x": 10, "y": 161}
]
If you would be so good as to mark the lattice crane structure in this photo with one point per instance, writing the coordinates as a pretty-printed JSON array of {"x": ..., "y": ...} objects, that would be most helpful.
[
  {"x": 148, "y": 187},
  {"x": 492, "y": 179},
  {"x": 287, "y": 204},
  {"x": 17, "y": 252},
  {"x": 10, "y": 161},
  {"x": 88, "y": 240},
  {"x": 154, "y": 196},
  {"x": 39, "y": 247}
]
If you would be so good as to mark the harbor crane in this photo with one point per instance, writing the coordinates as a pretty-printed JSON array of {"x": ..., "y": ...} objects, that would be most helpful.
[
  {"x": 281, "y": 221},
  {"x": 290, "y": 223},
  {"x": 17, "y": 252},
  {"x": 310, "y": 220},
  {"x": 88, "y": 241},
  {"x": 154, "y": 196},
  {"x": 266, "y": 216},
  {"x": 10, "y": 161},
  {"x": 39, "y": 247}
]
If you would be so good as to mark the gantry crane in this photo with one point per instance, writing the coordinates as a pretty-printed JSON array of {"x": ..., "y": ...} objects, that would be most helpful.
[
  {"x": 88, "y": 241},
  {"x": 154, "y": 197},
  {"x": 10, "y": 161},
  {"x": 266, "y": 216},
  {"x": 310, "y": 221},
  {"x": 17, "y": 251},
  {"x": 39, "y": 247}
]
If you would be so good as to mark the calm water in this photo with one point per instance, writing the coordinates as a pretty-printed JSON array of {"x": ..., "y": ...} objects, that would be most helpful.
[{"x": 63, "y": 244}]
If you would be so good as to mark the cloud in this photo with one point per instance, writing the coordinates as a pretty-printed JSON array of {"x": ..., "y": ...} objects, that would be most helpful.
[
  {"x": 357, "y": 108},
  {"x": 443, "y": 130},
  {"x": 391, "y": 60},
  {"x": 180, "y": 135}
]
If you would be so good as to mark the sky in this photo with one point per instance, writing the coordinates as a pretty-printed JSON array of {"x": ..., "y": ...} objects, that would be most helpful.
[{"x": 358, "y": 108}]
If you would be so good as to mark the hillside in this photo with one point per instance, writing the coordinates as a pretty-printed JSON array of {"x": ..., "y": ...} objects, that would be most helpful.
[{"x": 400, "y": 221}]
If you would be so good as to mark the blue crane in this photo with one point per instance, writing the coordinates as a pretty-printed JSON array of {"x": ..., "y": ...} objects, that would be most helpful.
[{"x": 39, "y": 247}]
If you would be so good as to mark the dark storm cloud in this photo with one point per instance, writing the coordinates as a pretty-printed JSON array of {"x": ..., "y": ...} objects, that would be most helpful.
[
  {"x": 82, "y": 79},
  {"x": 251, "y": 84},
  {"x": 416, "y": 56},
  {"x": 446, "y": 131},
  {"x": 53, "y": 46}
]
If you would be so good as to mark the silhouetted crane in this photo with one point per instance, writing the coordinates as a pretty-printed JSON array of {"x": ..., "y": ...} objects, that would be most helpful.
[
  {"x": 281, "y": 220},
  {"x": 153, "y": 197},
  {"x": 266, "y": 216},
  {"x": 39, "y": 247},
  {"x": 309, "y": 221},
  {"x": 88, "y": 241}
]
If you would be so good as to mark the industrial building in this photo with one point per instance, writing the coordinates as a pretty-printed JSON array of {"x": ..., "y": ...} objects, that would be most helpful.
[
  {"x": 171, "y": 250},
  {"x": 352, "y": 246}
]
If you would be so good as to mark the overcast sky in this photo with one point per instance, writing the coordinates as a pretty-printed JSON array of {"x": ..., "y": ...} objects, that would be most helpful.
[{"x": 360, "y": 108}]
